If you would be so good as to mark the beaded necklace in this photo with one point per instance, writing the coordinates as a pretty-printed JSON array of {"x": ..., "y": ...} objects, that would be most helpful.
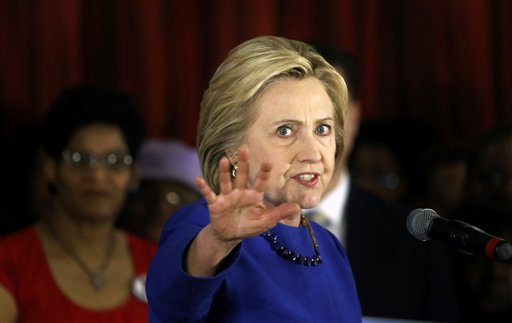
[{"x": 290, "y": 254}]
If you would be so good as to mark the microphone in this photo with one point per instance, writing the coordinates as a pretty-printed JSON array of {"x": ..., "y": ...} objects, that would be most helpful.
[{"x": 426, "y": 224}]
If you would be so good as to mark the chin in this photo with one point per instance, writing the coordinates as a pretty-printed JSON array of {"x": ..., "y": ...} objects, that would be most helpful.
[
  {"x": 308, "y": 201},
  {"x": 307, "y": 205},
  {"x": 100, "y": 214}
]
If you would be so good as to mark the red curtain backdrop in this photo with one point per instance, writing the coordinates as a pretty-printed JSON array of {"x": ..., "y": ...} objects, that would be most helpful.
[{"x": 447, "y": 62}]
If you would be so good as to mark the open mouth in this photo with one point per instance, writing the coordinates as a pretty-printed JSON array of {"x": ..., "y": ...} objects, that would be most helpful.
[{"x": 307, "y": 179}]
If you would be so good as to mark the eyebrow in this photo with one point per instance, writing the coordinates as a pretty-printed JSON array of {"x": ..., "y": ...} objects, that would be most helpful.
[{"x": 293, "y": 121}]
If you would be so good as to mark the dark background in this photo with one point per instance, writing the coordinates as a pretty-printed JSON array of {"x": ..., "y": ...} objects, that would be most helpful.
[{"x": 446, "y": 62}]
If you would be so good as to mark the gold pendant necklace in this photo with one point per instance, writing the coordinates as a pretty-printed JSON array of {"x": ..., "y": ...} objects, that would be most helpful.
[{"x": 96, "y": 278}]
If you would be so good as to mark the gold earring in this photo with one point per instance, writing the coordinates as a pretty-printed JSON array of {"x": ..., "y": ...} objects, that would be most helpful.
[{"x": 233, "y": 171}]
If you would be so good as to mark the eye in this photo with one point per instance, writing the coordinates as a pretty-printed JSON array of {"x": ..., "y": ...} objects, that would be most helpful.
[
  {"x": 115, "y": 161},
  {"x": 112, "y": 160},
  {"x": 76, "y": 158},
  {"x": 284, "y": 131},
  {"x": 323, "y": 130}
]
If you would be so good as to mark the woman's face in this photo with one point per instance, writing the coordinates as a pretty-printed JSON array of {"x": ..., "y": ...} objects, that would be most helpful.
[
  {"x": 154, "y": 202},
  {"x": 294, "y": 129},
  {"x": 95, "y": 191}
]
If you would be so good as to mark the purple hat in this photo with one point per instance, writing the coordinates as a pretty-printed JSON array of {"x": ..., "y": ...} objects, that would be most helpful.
[{"x": 169, "y": 159}]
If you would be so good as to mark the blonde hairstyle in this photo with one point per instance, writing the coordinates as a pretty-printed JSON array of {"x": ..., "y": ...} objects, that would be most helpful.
[{"x": 250, "y": 67}]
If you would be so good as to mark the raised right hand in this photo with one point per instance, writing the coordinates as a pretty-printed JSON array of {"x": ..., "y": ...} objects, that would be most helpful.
[{"x": 239, "y": 210}]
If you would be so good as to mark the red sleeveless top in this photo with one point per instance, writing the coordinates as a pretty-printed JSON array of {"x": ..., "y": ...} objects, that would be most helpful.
[{"x": 25, "y": 272}]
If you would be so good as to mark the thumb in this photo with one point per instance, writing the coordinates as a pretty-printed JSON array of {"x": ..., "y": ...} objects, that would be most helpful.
[{"x": 285, "y": 210}]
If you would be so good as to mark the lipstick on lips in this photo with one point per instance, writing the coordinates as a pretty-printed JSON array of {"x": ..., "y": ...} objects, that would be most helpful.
[{"x": 307, "y": 179}]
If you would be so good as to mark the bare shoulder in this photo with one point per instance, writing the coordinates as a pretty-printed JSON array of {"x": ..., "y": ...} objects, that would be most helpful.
[{"x": 8, "y": 310}]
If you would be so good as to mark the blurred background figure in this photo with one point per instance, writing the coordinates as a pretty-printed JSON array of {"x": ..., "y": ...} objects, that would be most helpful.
[
  {"x": 73, "y": 265},
  {"x": 167, "y": 170},
  {"x": 491, "y": 168},
  {"x": 385, "y": 154},
  {"x": 374, "y": 163},
  {"x": 484, "y": 285},
  {"x": 440, "y": 178},
  {"x": 26, "y": 198}
]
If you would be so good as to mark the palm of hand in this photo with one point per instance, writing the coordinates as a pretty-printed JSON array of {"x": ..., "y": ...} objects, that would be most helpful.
[
  {"x": 239, "y": 211},
  {"x": 238, "y": 214}
]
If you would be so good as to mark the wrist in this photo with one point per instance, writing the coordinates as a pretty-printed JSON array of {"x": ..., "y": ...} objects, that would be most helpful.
[
  {"x": 220, "y": 247},
  {"x": 206, "y": 253}
]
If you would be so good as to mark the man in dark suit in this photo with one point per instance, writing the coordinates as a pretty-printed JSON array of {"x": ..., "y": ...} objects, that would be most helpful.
[{"x": 397, "y": 276}]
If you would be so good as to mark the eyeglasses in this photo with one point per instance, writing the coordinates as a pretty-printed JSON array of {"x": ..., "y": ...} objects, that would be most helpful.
[{"x": 83, "y": 160}]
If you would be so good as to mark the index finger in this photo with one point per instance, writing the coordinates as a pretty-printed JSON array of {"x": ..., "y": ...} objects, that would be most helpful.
[{"x": 206, "y": 190}]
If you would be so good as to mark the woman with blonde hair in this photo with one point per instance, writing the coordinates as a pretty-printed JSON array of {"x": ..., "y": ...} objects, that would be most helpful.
[{"x": 270, "y": 130}]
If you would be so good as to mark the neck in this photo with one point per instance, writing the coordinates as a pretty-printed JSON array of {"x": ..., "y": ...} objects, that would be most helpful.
[
  {"x": 83, "y": 248},
  {"x": 83, "y": 236},
  {"x": 292, "y": 220}
]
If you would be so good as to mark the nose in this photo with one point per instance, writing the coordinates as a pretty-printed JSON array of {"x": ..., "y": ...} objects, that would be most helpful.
[
  {"x": 308, "y": 148},
  {"x": 98, "y": 171}
]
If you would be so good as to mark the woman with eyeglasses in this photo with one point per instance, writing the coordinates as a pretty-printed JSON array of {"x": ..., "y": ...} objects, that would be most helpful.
[{"x": 74, "y": 265}]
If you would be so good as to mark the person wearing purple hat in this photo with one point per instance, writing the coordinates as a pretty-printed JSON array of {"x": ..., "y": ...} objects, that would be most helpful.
[{"x": 167, "y": 171}]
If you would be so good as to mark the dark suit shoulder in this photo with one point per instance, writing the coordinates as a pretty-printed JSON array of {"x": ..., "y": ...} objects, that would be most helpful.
[{"x": 397, "y": 275}]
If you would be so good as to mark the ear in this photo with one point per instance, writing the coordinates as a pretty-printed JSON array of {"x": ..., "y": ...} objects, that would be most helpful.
[
  {"x": 49, "y": 168},
  {"x": 232, "y": 155},
  {"x": 49, "y": 173}
]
